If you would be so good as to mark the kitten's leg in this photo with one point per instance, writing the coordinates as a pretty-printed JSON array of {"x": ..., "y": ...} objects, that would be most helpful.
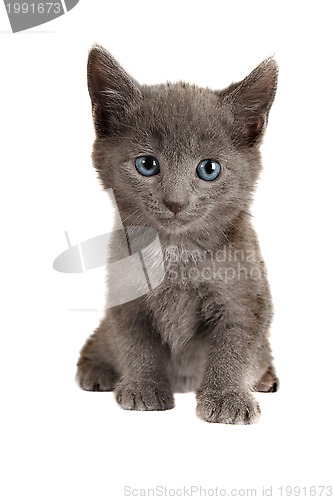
[
  {"x": 225, "y": 393},
  {"x": 142, "y": 359},
  {"x": 127, "y": 344},
  {"x": 96, "y": 366}
]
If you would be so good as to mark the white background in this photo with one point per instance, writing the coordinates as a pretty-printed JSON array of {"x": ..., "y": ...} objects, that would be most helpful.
[{"x": 60, "y": 442}]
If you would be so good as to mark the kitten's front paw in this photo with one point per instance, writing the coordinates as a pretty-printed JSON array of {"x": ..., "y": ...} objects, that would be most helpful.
[
  {"x": 230, "y": 407},
  {"x": 144, "y": 395}
]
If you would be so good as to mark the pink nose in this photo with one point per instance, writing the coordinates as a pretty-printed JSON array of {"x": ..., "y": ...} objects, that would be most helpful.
[{"x": 174, "y": 206}]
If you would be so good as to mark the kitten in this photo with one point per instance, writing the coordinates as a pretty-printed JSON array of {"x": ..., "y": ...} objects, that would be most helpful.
[{"x": 185, "y": 160}]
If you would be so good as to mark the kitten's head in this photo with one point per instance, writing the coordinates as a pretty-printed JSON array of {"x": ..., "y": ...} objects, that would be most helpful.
[{"x": 177, "y": 156}]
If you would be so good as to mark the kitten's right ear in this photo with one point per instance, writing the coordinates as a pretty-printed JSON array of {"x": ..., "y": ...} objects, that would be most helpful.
[
  {"x": 250, "y": 101},
  {"x": 111, "y": 89}
]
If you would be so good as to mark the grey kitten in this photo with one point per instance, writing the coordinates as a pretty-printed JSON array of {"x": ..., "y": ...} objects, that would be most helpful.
[{"x": 185, "y": 160}]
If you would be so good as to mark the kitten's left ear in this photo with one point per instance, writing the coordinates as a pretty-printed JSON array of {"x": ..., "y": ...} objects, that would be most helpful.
[
  {"x": 112, "y": 91},
  {"x": 250, "y": 101}
]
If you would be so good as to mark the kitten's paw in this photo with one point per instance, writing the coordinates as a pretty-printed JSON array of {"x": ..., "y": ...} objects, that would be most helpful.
[
  {"x": 147, "y": 396},
  {"x": 231, "y": 407},
  {"x": 95, "y": 377},
  {"x": 269, "y": 382}
]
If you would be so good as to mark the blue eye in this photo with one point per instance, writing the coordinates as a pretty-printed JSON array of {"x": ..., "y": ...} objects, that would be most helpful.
[
  {"x": 208, "y": 170},
  {"x": 147, "y": 165}
]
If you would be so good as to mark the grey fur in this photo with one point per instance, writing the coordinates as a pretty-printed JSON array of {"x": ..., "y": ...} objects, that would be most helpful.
[{"x": 205, "y": 331}]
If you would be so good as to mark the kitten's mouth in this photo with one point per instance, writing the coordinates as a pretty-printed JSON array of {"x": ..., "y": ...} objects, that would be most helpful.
[
  {"x": 170, "y": 223},
  {"x": 174, "y": 223}
]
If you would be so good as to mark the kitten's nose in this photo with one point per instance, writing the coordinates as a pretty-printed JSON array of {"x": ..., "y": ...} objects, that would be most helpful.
[{"x": 174, "y": 206}]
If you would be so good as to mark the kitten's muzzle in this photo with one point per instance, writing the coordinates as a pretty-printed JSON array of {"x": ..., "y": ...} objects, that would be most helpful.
[{"x": 175, "y": 206}]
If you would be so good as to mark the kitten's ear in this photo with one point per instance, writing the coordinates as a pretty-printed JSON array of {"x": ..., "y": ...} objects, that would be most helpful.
[
  {"x": 251, "y": 100},
  {"x": 112, "y": 91}
]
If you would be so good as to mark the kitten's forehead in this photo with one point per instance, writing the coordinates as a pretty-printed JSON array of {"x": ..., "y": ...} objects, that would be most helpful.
[{"x": 183, "y": 118}]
